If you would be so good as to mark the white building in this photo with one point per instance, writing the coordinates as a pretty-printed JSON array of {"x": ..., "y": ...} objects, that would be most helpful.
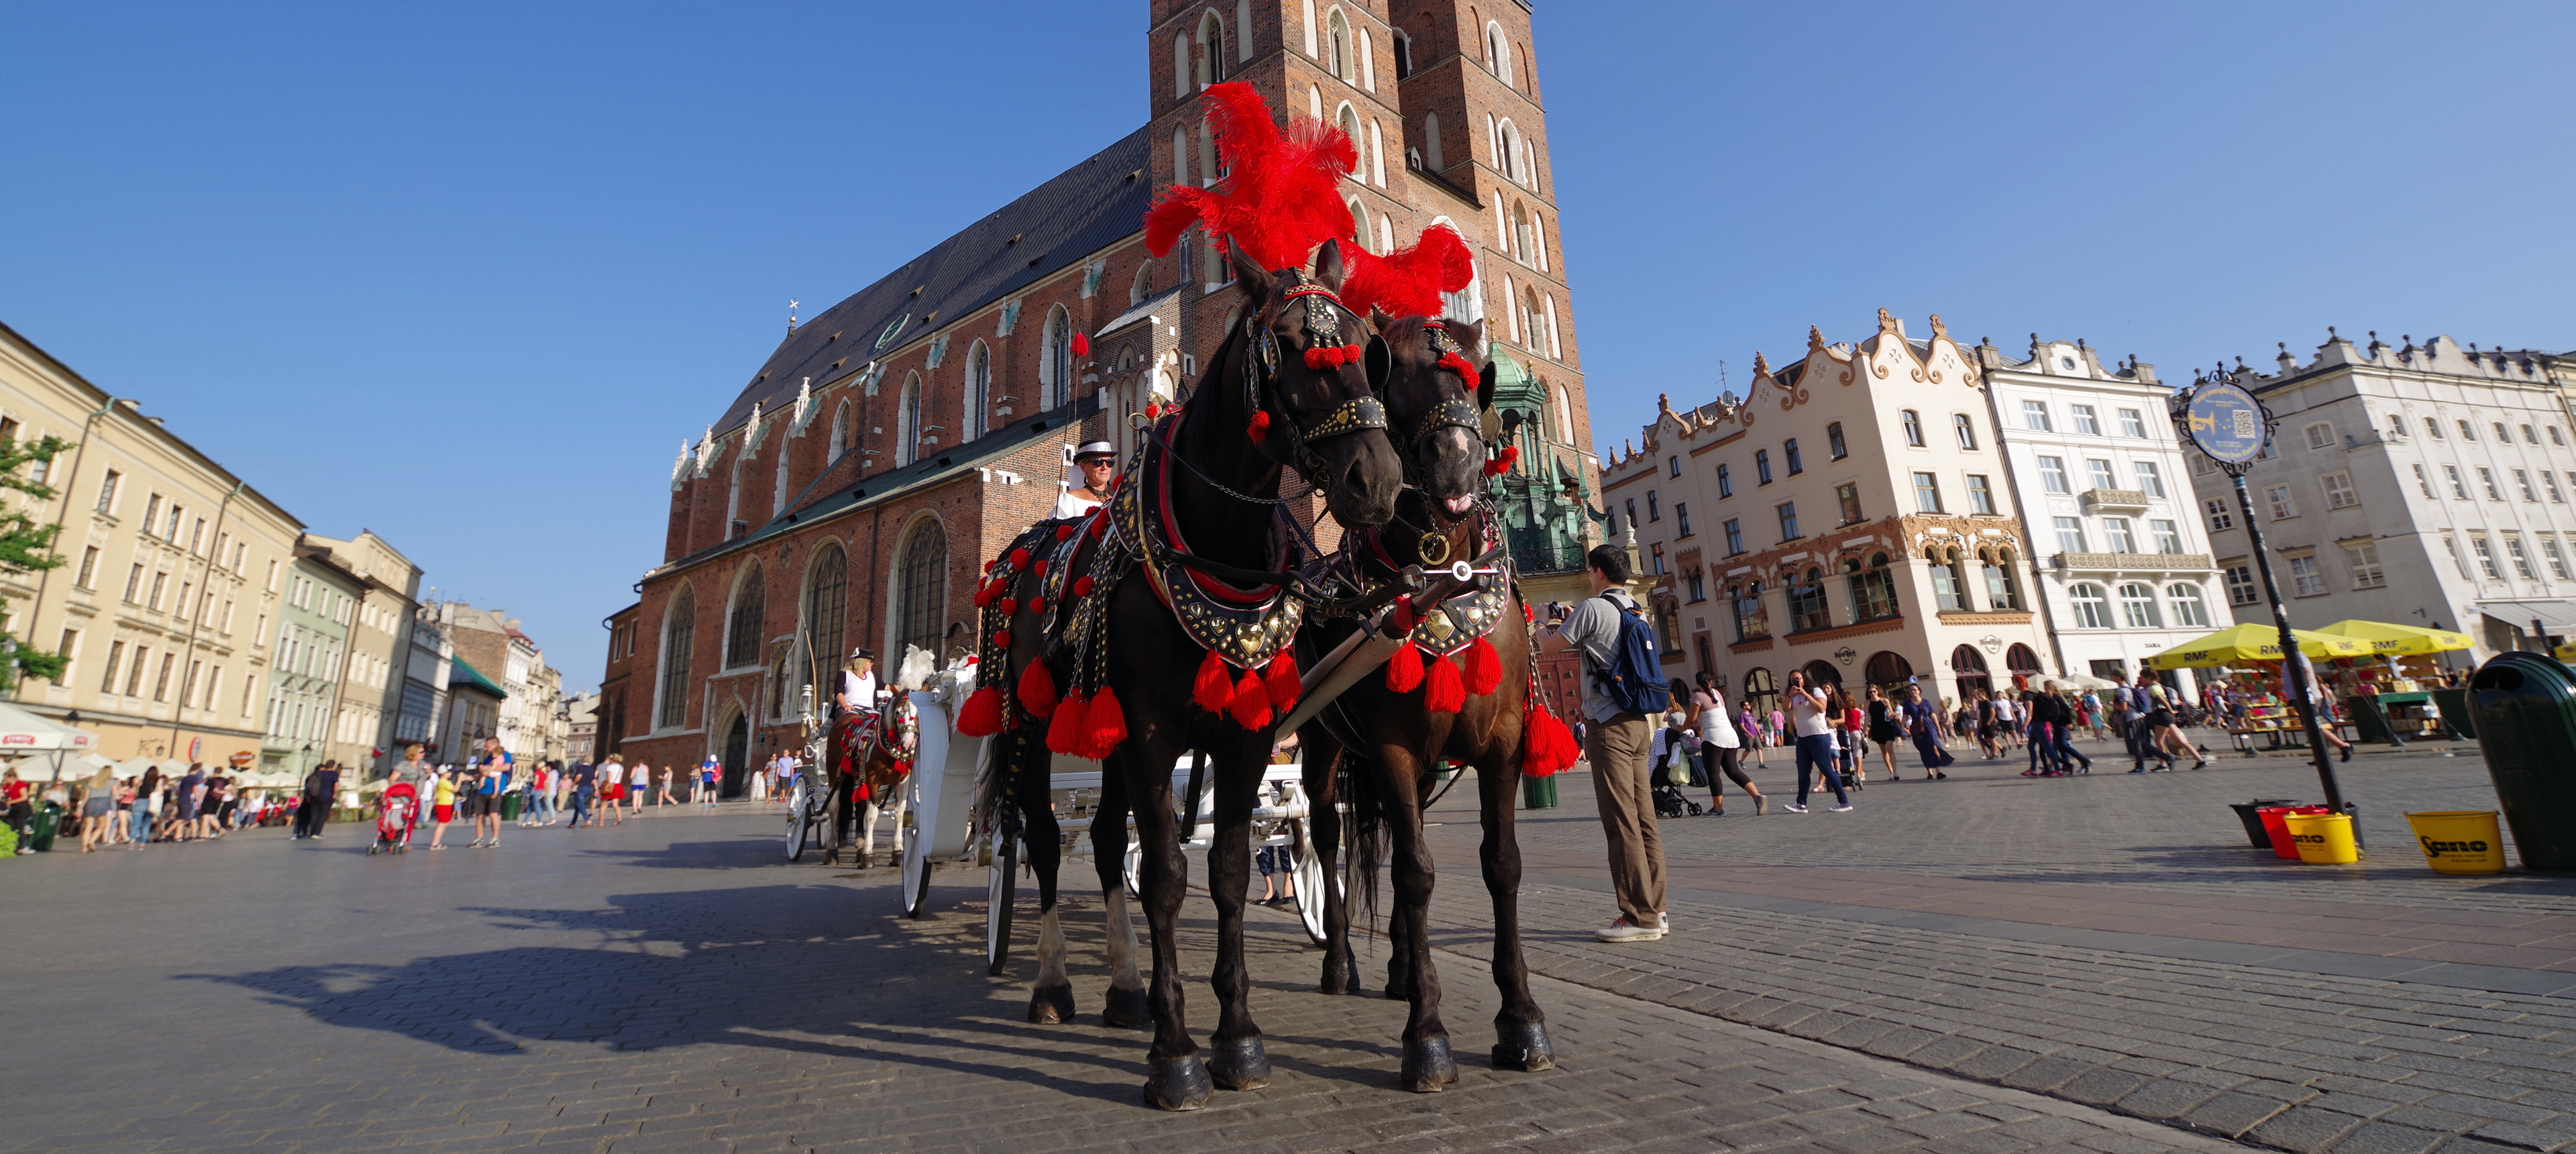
[
  {"x": 2122, "y": 563},
  {"x": 2417, "y": 485}
]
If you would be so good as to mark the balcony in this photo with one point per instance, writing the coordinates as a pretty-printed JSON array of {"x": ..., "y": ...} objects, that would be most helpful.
[
  {"x": 2133, "y": 499},
  {"x": 2130, "y": 562}
]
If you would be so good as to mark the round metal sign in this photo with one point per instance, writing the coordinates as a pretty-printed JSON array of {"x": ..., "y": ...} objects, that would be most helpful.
[{"x": 2226, "y": 423}]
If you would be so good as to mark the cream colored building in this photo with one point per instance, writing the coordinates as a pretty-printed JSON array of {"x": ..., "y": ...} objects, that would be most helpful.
[
  {"x": 379, "y": 646},
  {"x": 166, "y": 600}
]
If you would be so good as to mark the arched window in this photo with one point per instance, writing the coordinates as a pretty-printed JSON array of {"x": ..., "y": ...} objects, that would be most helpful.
[
  {"x": 1337, "y": 48},
  {"x": 2021, "y": 660},
  {"x": 1309, "y": 6},
  {"x": 1564, "y": 415},
  {"x": 2138, "y": 606},
  {"x": 921, "y": 589},
  {"x": 840, "y": 433},
  {"x": 907, "y": 421},
  {"x": 1243, "y": 30},
  {"x": 778, "y": 483},
  {"x": 1211, "y": 49},
  {"x": 679, "y": 631},
  {"x": 1055, "y": 360},
  {"x": 1431, "y": 142},
  {"x": 1533, "y": 322},
  {"x": 826, "y": 598},
  {"x": 1521, "y": 242},
  {"x": 1834, "y": 441},
  {"x": 1180, "y": 66},
  {"x": 1873, "y": 588},
  {"x": 1751, "y": 621},
  {"x": 2189, "y": 611},
  {"x": 1889, "y": 671},
  {"x": 1347, "y": 119},
  {"x": 1967, "y": 430},
  {"x": 1360, "y": 225},
  {"x": 2092, "y": 609},
  {"x": 1822, "y": 675},
  {"x": 1913, "y": 428},
  {"x": 1807, "y": 603},
  {"x": 733, "y": 496},
  {"x": 1969, "y": 667},
  {"x": 1508, "y": 154},
  {"x": 979, "y": 390},
  {"x": 1761, "y": 691},
  {"x": 1403, "y": 54},
  {"x": 2002, "y": 592},
  {"x": 1180, "y": 155},
  {"x": 1498, "y": 52},
  {"x": 743, "y": 625},
  {"x": 1143, "y": 286}
]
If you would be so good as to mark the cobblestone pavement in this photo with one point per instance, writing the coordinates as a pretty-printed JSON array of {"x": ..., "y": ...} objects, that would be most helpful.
[
  {"x": 671, "y": 984},
  {"x": 1982, "y": 965}
]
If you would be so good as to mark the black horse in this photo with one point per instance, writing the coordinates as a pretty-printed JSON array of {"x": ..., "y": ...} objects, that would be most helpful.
[
  {"x": 1393, "y": 743},
  {"x": 1199, "y": 510}
]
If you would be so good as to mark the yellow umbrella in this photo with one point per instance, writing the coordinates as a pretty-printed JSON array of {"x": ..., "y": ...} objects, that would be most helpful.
[
  {"x": 2388, "y": 640},
  {"x": 2252, "y": 642}
]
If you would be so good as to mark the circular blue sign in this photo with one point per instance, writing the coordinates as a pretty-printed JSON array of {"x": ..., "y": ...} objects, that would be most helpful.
[{"x": 2226, "y": 423}]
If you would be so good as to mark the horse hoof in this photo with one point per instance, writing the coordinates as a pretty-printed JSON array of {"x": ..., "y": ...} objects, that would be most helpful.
[
  {"x": 1240, "y": 1064},
  {"x": 1341, "y": 976},
  {"x": 1524, "y": 1048},
  {"x": 1051, "y": 1005},
  {"x": 1128, "y": 1010},
  {"x": 1427, "y": 1066},
  {"x": 866, "y": 861},
  {"x": 1177, "y": 1083}
]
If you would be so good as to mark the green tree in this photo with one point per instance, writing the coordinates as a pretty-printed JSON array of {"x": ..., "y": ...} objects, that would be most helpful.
[{"x": 25, "y": 547}]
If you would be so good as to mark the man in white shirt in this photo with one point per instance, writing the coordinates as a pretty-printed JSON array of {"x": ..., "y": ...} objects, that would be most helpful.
[{"x": 1097, "y": 462}]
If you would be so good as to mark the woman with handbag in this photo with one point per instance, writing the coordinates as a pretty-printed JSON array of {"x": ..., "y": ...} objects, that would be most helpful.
[{"x": 1721, "y": 747}]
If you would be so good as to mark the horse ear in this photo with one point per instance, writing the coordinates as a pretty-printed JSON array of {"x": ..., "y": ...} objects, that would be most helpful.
[
  {"x": 1377, "y": 317},
  {"x": 1380, "y": 361},
  {"x": 1485, "y": 387},
  {"x": 1248, "y": 273},
  {"x": 1328, "y": 265},
  {"x": 1470, "y": 334}
]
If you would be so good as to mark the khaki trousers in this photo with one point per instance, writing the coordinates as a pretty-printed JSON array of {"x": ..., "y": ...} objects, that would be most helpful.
[{"x": 1617, "y": 749}]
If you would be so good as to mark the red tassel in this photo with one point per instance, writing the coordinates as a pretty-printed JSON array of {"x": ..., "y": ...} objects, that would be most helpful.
[
  {"x": 1529, "y": 616},
  {"x": 1259, "y": 429},
  {"x": 1404, "y": 668},
  {"x": 1037, "y": 607},
  {"x": 1251, "y": 706},
  {"x": 1064, "y": 532},
  {"x": 1082, "y": 587},
  {"x": 1213, "y": 689},
  {"x": 1019, "y": 558},
  {"x": 1443, "y": 693},
  {"x": 1081, "y": 345},
  {"x": 1042, "y": 567},
  {"x": 988, "y": 566},
  {"x": 1484, "y": 667},
  {"x": 1104, "y": 726},
  {"x": 1037, "y": 690},
  {"x": 1100, "y": 524},
  {"x": 982, "y": 715},
  {"x": 1503, "y": 461},
  {"x": 1547, "y": 746},
  {"x": 1002, "y": 639},
  {"x": 984, "y": 596},
  {"x": 1010, "y": 606},
  {"x": 861, "y": 793},
  {"x": 1281, "y": 680},
  {"x": 1319, "y": 358},
  {"x": 1064, "y": 734}
]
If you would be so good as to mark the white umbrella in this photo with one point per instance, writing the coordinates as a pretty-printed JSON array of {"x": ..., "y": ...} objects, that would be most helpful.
[
  {"x": 132, "y": 766},
  {"x": 2080, "y": 682}
]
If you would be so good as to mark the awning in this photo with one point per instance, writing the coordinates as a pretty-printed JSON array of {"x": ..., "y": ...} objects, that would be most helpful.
[
  {"x": 2556, "y": 615},
  {"x": 22, "y": 730}
]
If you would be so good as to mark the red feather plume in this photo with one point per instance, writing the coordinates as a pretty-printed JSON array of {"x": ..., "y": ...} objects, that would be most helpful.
[
  {"x": 1283, "y": 198},
  {"x": 1408, "y": 282}
]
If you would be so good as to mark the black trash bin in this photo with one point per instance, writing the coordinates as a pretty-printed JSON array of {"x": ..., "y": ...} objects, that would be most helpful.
[
  {"x": 2246, "y": 812},
  {"x": 1538, "y": 792},
  {"x": 2524, "y": 705}
]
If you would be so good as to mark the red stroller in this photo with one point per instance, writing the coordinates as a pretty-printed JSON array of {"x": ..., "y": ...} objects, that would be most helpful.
[{"x": 396, "y": 813}]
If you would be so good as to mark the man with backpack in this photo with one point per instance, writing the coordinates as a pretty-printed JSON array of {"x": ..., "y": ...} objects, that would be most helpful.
[{"x": 1623, "y": 685}]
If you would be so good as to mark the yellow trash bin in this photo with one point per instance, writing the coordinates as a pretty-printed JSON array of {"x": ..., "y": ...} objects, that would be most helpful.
[
  {"x": 2323, "y": 838},
  {"x": 2461, "y": 841}
]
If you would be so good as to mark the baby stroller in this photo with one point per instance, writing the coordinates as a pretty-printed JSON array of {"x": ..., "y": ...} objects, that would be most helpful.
[
  {"x": 1678, "y": 771},
  {"x": 396, "y": 813}
]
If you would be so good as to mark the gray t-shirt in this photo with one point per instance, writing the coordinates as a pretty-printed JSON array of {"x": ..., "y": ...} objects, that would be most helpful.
[{"x": 1593, "y": 629}]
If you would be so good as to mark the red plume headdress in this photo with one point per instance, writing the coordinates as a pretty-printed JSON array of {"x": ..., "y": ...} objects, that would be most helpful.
[
  {"x": 1408, "y": 282},
  {"x": 1282, "y": 197}
]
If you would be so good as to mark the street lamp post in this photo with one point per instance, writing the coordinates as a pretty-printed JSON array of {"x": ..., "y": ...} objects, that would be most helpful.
[{"x": 2218, "y": 416}]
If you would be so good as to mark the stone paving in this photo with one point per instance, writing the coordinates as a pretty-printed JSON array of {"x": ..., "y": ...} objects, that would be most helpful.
[{"x": 671, "y": 984}]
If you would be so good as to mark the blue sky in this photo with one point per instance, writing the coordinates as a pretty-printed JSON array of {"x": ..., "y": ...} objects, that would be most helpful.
[{"x": 467, "y": 274}]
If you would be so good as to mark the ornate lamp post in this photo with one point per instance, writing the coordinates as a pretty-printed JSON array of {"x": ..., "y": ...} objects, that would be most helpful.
[{"x": 2224, "y": 421}]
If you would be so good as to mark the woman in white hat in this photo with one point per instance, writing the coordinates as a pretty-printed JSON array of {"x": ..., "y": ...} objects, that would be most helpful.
[{"x": 1097, "y": 462}]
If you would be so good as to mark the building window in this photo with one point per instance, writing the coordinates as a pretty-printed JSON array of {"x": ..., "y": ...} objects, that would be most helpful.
[
  {"x": 2115, "y": 531},
  {"x": 151, "y": 513},
  {"x": 2521, "y": 560},
  {"x": 2052, "y": 475},
  {"x": 2189, "y": 612},
  {"x": 1967, "y": 430},
  {"x": 1789, "y": 450},
  {"x": 2486, "y": 477},
  {"x": 2453, "y": 548},
  {"x": 1834, "y": 440},
  {"x": 2084, "y": 420},
  {"x": 1055, "y": 362},
  {"x": 1981, "y": 496},
  {"x": 921, "y": 597},
  {"x": 1655, "y": 553},
  {"x": 1927, "y": 493},
  {"x": 1873, "y": 589},
  {"x": 2241, "y": 589},
  {"x": 2396, "y": 427},
  {"x": 2220, "y": 519},
  {"x": 2103, "y": 475},
  {"x": 2468, "y": 432},
  {"x": 1807, "y": 603},
  {"x": 2001, "y": 591},
  {"x": 2433, "y": 428},
  {"x": 1734, "y": 536},
  {"x": 2320, "y": 435},
  {"x": 2138, "y": 606},
  {"x": 826, "y": 596},
  {"x": 2549, "y": 480},
  {"x": 1672, "y": 466},
  {"x": 2459, "y": 488},
  {"x": 1848, "y": 497},
  {"x": 2070, "y": 535},
  {"x": 1681, "y": 518},
  {"x": 2522, "y": 480},
  {"x": 2557, "y": 560},
  {"x": 1632, "y": 515},
  {"x": 2423, "y": 481},
  {"x": 107, "y": 488},
  {"x": 744, "y": 626},
  {"x": 2150, "y": 482},
  {"x": 678, "y": 631},
  {"x": 2554, "y": 437},
  {"x": 2364, "y": 560},
  {"x": 2528, "y": 437},
  {"x": 2278, "y": 496},
  {"x": 2133, "y": 423},
  {"x": 2305, "y": 579},
  {"x": 1947, "y": 588},
  {"x": 88, "y": 574},
  {"x": 2502, "y": 437},
  {"x": 1697, "y": 582},
  {"x": 2339, "y": 490},
  {"x": 1751, "y": 621},
  {"x": 1654, "y": 507},
  {"x": 2092, "y": 609},
  {"x": 2486, "y": 558},
  {"x": 1913, "y": 428},
  {"x": 2035, "y": 415},
  {"x": 1762, "y": 466},
  {"x": 2168, "y": 536},
  {"x": 1789, "y": 521},
  {"x": 1725, "y": 483},
  {"x": 115, "y": 655}
]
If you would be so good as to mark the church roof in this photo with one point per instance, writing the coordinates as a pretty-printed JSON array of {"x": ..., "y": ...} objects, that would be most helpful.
[{"x": 1053, "y": 226}]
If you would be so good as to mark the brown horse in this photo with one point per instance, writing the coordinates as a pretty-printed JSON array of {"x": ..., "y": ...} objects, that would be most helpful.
[
  {"x": 1195, "y": 526},
  {"x": 866, "y": 761},
  {"x": 1438, "y": 521}
]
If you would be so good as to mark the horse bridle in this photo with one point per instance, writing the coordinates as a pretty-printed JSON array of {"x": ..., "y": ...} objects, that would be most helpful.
[
  {"x": 1451, "y": 412},
  {"x": 1322, "y": 322}
]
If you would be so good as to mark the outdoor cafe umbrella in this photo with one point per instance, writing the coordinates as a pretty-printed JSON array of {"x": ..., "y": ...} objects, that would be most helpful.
[
  {"x": 2388, "y": 640},
  {"x": 21, "y": 731},
  {"x": 2252, "y": 642},
  {"x": 2079, "y": 682}
]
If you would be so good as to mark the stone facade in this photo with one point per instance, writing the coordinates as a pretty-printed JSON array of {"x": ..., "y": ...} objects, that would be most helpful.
[
  {"x": 315, "y": 614},
  {"x": 379, "y": 632}
]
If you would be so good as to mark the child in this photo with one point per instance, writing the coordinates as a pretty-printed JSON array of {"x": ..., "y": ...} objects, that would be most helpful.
[{"x": 442, "y": 809}]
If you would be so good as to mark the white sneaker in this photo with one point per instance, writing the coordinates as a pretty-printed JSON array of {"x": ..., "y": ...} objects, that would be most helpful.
[
  {"x": 1793, "y": 807},
  {"x": 1664, "y": 920},
  {"x": 1843, "y": 808},
  {"x": 1621, "y": 929}
]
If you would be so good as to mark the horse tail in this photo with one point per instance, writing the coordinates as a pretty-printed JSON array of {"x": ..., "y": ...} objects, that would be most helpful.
[{"x": 1366, "y": 832}]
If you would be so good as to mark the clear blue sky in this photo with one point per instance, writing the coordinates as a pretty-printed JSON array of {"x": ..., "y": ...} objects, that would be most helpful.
[{"x": 467, "y": 274}]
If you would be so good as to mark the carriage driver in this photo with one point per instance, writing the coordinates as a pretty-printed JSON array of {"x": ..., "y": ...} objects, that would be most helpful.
[
  {"x": 1097, "y": 461},
  {"x": 858, "y": 688}
]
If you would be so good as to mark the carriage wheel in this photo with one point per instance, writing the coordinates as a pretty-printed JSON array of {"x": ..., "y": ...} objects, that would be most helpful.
[
  {"x": 798, "y": 823},
  {"x": 1311, "y": 880},
  {"x": 916, "y": 869},
  {"x": 1134, "y": 870},
  {"x": 1000, "y": 891}
]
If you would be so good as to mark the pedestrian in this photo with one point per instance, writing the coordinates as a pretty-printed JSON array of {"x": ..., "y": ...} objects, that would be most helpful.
[
  {"x": 665, "y": 797},
  {"x": 1604, "y": 629},
  {"x": 2136, "y": 704},
  {"x": 412, "y": 769},
  {"x": 483, "y": 801},
  {"x": 1097, "y": 461},
  {"x": 192, "y": 796},
  {"x": 2317, "y": 704},
  {"x": 1721, "y": 748},
  {"x": 584, "y": 778},
  {"x": 20, "y": 798},
  {"x": 320, "y": 787},
  {"x": 1848, "y": 729},
  {"x": 1922, "y": 723},
  {"x": 611, "y": 792},
  {"x": 442, "y": 805},
  {"x": 97, "y": 810},
  {"x": 1811, "y": 716},
  {"x": 1883, "y": 731},
  {"x": 707, "y": 781},
  {"x": 1278, "y": 884},
  {"x": 639, "y": 777},
  {"x": 2165, "y": 736},
  {"x": 146, "y": 797},
  {"x": 2063, "y": 721},
  {"x": 1674, "y": 749}
]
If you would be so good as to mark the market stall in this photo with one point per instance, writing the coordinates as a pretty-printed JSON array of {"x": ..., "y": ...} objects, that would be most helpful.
[
  {"x": 2390, "y": 693},
  {"x": 2251, "y": 655}
]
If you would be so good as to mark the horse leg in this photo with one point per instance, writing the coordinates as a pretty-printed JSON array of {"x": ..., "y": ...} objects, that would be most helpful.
[
  {"x": 1051, "y": 998},
  {"x": 1236, "y": 1058},
  {"x": 868, "y": 832},
  {"x": 1126, "y": 1008},
  {"x": 1176, "y": 1077},
  {"x": 1324, "y": 830},
  {"x": 1520, "y": 1027},
  {"x": 1427, "y": 1064}
]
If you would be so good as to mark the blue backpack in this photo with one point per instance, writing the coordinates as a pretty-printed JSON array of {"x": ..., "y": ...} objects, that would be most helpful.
[{"x": 1634, "y": 681}]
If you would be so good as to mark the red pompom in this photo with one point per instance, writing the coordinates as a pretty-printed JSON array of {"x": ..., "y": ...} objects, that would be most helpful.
[
  {"x": 1529, "y": 616},
  {"x": 1458, "y": 364},
  {"x": 983, "y": 595},
  {"x": 1213, "y": 688},
  {"x": 1281, "y": 680},
  {"x": 982, "y": 714},
  {"x": 1019, "y": 558},
  {"x": 1153, "y": 412},
  {"x": 1104, "y": 726},
  {"x": 1064, "y": 532},
  {"x": 1251, "y": 705},
  {"x": 1484, "y": 667},
  {"x": 1037, "y": 690},
  {"x": 1547, "y": 746},
  {"x": 1099, "y": 523},
  {"x": 1037, "y": 607},
  {"x": 988, "y": 566},
  {"x": 1442, "y": 692},
  {"x": 1041, "y": 568},
  {"x": 1010, "y": 606},
  {"x": 1082, "y": 587},
  {"x": 1404, "y": 668},
  {"x": 861, "y": 793},
  {"x": 1002, "y": 639},
  {"x": 1259, "y": 429},
  {"x": 1064, "y": 734},
  {"x": 1081, "y": 345},
  {"x": 1503, "y": 461}
]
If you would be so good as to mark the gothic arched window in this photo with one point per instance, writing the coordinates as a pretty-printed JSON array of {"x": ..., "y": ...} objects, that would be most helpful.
[
  {"x": 921, "y": 589},
  {"x": 679, "y": 630},
  {"x": 743, "y": 625}
]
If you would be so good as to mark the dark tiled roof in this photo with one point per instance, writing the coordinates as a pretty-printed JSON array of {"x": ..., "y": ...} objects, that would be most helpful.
[{"x": 1080, "y": 212}]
